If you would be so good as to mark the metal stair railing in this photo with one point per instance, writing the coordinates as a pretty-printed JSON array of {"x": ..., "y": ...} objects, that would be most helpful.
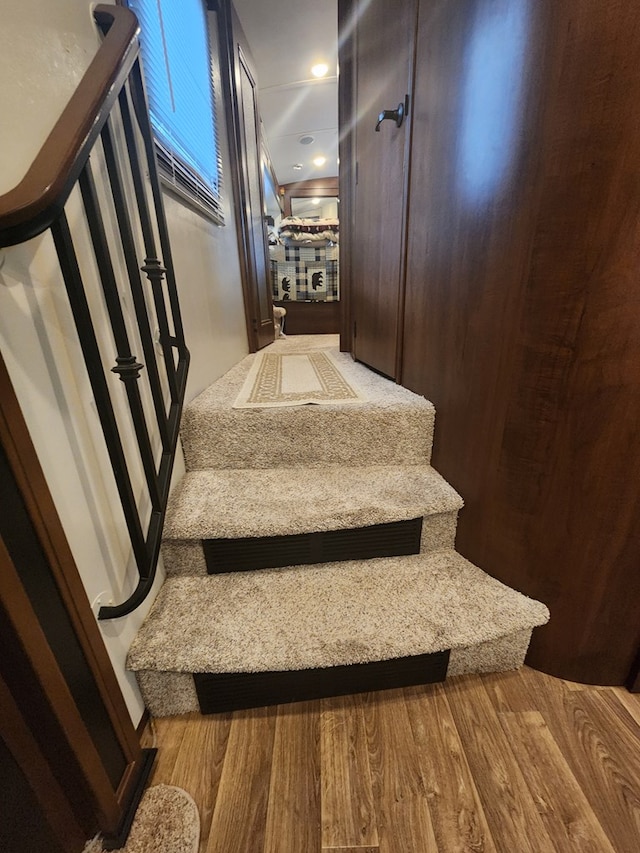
[{"x": 110, "y": 103}]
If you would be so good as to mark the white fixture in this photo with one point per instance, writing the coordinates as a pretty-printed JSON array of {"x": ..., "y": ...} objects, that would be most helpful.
[{"x": 320, "y": 69}]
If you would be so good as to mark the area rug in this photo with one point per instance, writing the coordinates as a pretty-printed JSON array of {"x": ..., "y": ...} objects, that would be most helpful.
[
  {"x": 296, "y": 379},
  {"x": 167, "y": 821}
]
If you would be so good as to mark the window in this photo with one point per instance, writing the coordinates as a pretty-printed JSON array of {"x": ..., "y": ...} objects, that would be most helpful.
[{"x": 177, "y": 66}]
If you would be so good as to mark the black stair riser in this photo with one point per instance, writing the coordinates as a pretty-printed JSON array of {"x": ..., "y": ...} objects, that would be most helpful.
[
  {"x": 394, "y": 539},
  {"x": 223, "y": 692}
]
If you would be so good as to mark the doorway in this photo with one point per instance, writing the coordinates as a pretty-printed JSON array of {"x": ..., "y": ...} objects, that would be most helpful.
[{"x": 295, "y": 57}]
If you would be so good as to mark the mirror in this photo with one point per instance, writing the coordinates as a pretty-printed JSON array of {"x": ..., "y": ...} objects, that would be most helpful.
[{"x": 315, "y": 208}]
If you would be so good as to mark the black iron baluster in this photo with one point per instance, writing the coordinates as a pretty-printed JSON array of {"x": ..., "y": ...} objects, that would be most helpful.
[
  {"x": 86, "y": 334},
  {"x": 142, "y": 114},
  {"x": 127, "y": 368},
  {"x": 152, "y": 266},
  {"x": 137, "y": 174},
  {"x": 155, "y": 273},
  {"x": 131, "y": 261}
]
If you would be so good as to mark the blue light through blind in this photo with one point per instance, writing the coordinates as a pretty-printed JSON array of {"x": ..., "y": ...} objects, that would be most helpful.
[{"x": 177, "y": 67}]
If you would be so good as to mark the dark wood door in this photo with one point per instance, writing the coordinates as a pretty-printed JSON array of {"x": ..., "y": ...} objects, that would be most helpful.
[
  {"x": 384, "y": 45},
  {"x": 243, "y": 127},
  {"x": 262, "y": 317},
  {"x": 522, "y": 305}
]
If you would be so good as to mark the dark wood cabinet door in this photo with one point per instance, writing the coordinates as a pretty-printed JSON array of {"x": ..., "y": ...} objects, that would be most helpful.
[{"x": 384, "y": 45}]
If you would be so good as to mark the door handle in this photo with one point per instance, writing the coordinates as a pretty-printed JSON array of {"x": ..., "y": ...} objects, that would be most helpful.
[{"x": 396, "y": 115}]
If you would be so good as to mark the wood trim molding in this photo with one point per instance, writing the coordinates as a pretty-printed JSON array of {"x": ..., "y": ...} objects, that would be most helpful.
[
  {"x": 408, "y": 143},
  {"x": 27, "y": 628},
  {"x": 227, "y": 58},
  {"x": 30, "y": 479},
  {"x": 142, "y": 725},
  {"x": 27, "y": 754},
  {"x": 346, "y": 178},
  {"x": 15, "y": 438},
  {"x": 315, "y": 188},
  {"x": 268, "y": 165},
  {"x": 633, "y": 682},
  {"x": 33, "y": 203}
]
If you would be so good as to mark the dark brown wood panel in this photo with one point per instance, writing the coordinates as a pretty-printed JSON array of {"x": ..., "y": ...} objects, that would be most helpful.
[
  {"x": 26, "y": 778},
  {"x": 40, "y": 691},
  {"x": 30, "y": 480},
  {"x": 522, "y": 305},
  {"x": 254, "y": 196},
  {"x": 239, "y": 86},
  {"x": 384, "y": 55},
  {"x": 311, "y": 318},
  {"x": 18, "y": 536},
  {"x": 80, "y": 754}
]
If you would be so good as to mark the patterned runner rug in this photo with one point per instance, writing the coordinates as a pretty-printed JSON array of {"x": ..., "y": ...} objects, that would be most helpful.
[{"x": 295, "y": 379}]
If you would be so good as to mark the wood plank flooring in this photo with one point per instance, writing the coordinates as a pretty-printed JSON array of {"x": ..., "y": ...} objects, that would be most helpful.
[{"x": 511, "y": 763}]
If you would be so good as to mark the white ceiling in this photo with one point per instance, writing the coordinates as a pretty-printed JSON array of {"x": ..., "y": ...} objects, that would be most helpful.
[{"x": 286, "y": 39}]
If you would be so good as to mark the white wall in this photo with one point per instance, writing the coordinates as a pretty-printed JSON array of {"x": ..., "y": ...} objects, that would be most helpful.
[{"x": 37, "y": 335}]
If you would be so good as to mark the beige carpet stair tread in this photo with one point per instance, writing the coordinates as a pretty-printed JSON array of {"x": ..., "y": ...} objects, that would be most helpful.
[
  {"x": 394, "y": 425},
  {"x": 236, "y": 503},
  {"x": 327, "y": 615}
]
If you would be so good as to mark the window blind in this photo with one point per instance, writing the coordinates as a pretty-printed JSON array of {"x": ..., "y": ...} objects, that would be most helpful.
[{"x": 176, "y": 58}]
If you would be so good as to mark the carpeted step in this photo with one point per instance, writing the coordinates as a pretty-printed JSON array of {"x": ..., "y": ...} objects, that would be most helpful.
[
  {"x": 238, "y": 504},
  {"x": 295, "y": 620},
  {"x": 392, "y": 427}
]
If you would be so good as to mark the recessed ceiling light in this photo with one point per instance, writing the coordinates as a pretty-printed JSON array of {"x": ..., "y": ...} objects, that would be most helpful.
[
  {"x": 319, "y": 161},
  {"x": 320, "y": 69},
  {"x": 315, "y": 201},
  {"x": 297, "y": 166},
  {"x": 307, "y": 139}
]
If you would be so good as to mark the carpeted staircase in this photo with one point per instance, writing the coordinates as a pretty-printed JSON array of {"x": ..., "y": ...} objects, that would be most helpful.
[{"x": 310, "y": 551}]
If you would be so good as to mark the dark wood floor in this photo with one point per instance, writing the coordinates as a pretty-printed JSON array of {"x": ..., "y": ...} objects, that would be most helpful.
[{"x": 516, "y": 763}]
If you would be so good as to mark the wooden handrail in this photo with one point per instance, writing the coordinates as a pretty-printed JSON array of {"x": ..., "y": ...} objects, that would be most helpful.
[{"x": 30, "y": 207}]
